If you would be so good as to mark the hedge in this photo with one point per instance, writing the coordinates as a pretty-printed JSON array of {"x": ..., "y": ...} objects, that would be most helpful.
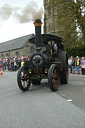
[{"x": 76, "y": 51}]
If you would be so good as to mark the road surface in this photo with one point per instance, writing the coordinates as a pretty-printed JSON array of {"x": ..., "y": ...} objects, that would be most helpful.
[{"x": 39, "y": 107}]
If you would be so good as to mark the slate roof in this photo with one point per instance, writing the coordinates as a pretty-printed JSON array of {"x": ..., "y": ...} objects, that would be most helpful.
[{"x": 15, "y": 43}]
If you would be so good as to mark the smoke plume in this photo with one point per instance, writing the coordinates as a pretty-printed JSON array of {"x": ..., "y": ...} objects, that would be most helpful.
[
  {"x": 29, "y": 13},
  {"x": 5, "y": 11},
  {"x": 24, "y": 15}
]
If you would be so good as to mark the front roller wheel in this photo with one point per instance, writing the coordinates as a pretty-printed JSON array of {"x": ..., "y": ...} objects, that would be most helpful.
[
  {"x": 53, "y": 77},
  {"x": 22, "y": 79}
]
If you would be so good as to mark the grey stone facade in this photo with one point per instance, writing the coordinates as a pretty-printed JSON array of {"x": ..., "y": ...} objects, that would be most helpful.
[
  {"x": 16, "y": 47},
  {"x": 18, "y": 52},
  {"x": 50, "y": 19}
]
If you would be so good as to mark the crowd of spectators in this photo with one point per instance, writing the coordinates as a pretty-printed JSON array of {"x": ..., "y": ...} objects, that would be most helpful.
[
  {"x": 12, "y": 63},
  {"x": 78, "y": 64}
]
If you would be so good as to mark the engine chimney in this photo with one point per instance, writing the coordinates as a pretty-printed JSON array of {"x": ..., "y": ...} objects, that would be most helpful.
[{"x": 38, "y": 24}]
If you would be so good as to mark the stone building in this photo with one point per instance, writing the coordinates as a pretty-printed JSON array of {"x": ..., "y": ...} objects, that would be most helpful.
[
  {"x": 50, "y": 19},
  {"x": 16, "y": 47}
]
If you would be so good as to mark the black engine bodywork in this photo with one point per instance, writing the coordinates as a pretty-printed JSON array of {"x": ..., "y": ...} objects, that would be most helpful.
[{"x": 47, "y": 60}]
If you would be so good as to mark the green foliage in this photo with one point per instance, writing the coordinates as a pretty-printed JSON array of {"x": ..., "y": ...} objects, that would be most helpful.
[
  {"x": 71, "y": 20},
  {"x": 76, "y": 51}
]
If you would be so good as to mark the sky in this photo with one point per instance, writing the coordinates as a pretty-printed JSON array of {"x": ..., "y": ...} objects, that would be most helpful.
[{"x": 17, "y": 17}]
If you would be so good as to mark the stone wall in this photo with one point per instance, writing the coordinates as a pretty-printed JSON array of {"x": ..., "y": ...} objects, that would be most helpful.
[
  {"x": 25, "y": 51},
  {"x": 50, "y": 19}
]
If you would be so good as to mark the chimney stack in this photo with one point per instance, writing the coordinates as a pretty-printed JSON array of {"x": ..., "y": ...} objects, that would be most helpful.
[{"x": 38, "y": 24}]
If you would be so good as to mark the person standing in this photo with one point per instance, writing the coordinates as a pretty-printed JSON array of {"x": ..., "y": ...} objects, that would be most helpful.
[
  {"x": 12, "y": 64},
  {"x": 4, "y": 64},
  {"x": 73, "y": 64},
  {"x": 1, "y": 64},
  {"x": 78, "y": 65},
  {"x": 70, "y": 64},
  {"x": 83, "y": 66},
  {"x": 22, "y": 63},
  {"x": 15, "y": 66}
]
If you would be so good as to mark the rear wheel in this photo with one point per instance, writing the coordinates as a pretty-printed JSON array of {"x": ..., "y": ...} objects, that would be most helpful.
[
  {"x": 23, "y": 79},
  {"x": 53, "y": 77},
  {"x": 64, "y": 74}
]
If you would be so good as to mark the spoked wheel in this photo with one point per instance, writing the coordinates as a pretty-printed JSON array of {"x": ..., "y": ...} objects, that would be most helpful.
[
  {"x": 53, "y": 77},
  {"x": 23, "y": 79}
]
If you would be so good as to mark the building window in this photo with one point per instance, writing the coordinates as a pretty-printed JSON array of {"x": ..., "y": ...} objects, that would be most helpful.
[
  {"x": 17, "y": 54},
  {"x": 2, "y": 56},
  {"x": 7, "y": 54}
]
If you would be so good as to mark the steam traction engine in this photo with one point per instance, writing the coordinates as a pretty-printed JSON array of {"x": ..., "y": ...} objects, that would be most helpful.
[{"x": 48, "y": 60}]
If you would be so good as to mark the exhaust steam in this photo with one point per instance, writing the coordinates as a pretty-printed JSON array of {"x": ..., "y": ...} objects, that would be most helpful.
[{"x": 24, "y": 15}]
